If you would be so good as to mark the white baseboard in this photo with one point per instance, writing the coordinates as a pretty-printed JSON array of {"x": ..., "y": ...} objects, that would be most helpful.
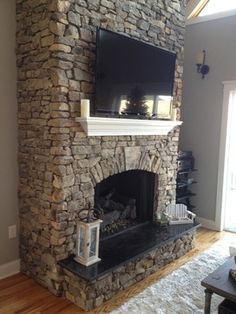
[
  {"x": 207, "y": 223},
  {"x": 9, "y": 269}
]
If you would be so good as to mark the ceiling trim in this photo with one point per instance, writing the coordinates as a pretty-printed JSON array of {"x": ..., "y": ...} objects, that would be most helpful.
[
  {"x": 206, "y": 18},
  {"x": 195, "y": 7}
]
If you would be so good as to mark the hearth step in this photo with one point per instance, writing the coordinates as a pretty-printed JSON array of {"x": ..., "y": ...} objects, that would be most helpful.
[{"x": 123, "y": 248}]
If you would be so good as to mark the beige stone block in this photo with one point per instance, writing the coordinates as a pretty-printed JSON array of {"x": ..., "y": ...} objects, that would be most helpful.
[
  {"x": 85, "y": 34},
  {"x": 57, "y": 28},
  {"x": 60, "y": 170},
  {"x": 130, "y": 26},
  {"x": 48, "y": 259},
  {"x": 74, "y": 85},
  {"x": 43, "y": 241},
  {"x": 62, "y": 123},
  {"x": 65, "y": 65},
  {"x": 69, "y": 231},
  {"x": 79, "y": 135},
  {"x": 93, "y": 161},
  {"x": 38, "y": 122},
  {"x": 74, "y": 18},
  {"x": 77, "y": 150},
  {"x": 43, "y": 23},
  {"x": 25, "y": 48},
  {"x": 47, "y": 41},
  {"x": 105, "y": 168},
  {"x": 43, "y": 220},
  {"x": 95, "y": 175},
  {"x": 57, "y": 233},
  {"x": 108, "y": 144},
  {"x": 59, "y": 77},
  {"x": 35, "y": 84},
  {"x": 74, "y": 96},
  {"x": 132, "y": 157},
  {"x": 107, "y": 153},
  {"x": 72, "y": 32},
  {"x": 59, "y": 130},
  {"x": 99, "y": 171},
  {"x": 59, "y": 114},
  {"x": 61, "y": 151},
  {"x": 80, "y": 156},
  {"x": 60, "y": 207},
  {"x": 60, "y": 106},
  {"x": 62, "y": 6},
  {"x": 57, "y": 241},
  {"x": 55, "y": 276},
  {"x": 50, "y": 63},
  {"x": 85, "y": 178},
  {"x": 69, "y": 169},
  {"x": 87, "y": 189},
  {"x": 59, "y": 225},
  {"x": 147, "y": 163},
  {"x": 62, "y": 182},
  {"x": 81, "y": 75},
  {"x": 60, "y": 47},
  {"x": 84, "y": 163},
  {"x": 75, "y": 192},
  {"x": 94, "y": 141}
]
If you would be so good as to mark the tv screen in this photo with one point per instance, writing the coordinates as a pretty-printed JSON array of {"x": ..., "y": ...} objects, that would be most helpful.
[{"x": 132, "y": 78}]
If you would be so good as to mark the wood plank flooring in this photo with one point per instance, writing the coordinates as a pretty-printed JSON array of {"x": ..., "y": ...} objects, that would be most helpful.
[{"x": 21, "y": 295}]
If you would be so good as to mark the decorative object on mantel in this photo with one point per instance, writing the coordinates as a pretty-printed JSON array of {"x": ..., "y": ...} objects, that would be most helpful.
[
  {"x": 88, "y": 227},
  {"x": 178, "y": 214},
  {"x": 85, "y": 108},
  {"x": 97, "y": 126}
]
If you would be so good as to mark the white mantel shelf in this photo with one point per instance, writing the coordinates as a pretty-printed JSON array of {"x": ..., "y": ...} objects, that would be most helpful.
[{"x": 96, "y": 126}]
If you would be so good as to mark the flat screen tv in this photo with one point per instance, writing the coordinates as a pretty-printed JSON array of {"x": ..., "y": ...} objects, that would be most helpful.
[{"x": 133, "y": 79}]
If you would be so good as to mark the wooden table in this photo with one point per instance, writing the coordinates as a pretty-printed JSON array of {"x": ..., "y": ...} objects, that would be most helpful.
[{"x": 221, "y": 283}]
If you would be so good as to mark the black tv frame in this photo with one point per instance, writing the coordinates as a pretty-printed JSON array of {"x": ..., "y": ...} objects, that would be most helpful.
[{"x": 95, "y": 111}]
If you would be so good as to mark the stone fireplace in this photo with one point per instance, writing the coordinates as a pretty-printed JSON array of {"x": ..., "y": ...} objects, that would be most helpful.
[{"x": 61, "y": 169}]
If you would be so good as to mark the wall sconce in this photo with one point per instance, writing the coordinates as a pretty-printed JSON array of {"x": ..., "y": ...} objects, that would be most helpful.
[{"x": 200, "y": 62}]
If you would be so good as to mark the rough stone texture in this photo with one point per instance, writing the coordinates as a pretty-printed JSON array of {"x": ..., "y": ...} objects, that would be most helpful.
[
  {"x": 89, "y": 295},
  {"x": 58, "y": 164}
]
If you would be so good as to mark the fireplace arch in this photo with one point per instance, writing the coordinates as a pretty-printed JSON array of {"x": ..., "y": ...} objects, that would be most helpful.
[
  {"x": 134, "y": 158},
  {"x": 130, "y": 158}
]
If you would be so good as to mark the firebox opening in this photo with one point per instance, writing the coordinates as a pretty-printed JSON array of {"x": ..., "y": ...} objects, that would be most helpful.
[{"x": 126, "y": 200}]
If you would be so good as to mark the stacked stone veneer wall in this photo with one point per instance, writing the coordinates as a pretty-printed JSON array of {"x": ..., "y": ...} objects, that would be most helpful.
[
  {"x": 89, "y": 295},
  {"x": 58, "y": 164}
]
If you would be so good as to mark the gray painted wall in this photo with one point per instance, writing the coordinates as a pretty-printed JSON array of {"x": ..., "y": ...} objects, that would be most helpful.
[
  {"x": 8, "y": 132},
  {"x": 202, "y": 103}
]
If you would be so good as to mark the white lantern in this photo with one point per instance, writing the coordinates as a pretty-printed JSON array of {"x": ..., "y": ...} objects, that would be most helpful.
[{"x": 88, "y": 242}]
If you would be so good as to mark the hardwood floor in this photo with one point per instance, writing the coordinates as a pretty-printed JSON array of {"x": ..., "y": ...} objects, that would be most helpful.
[{"x": 19, "y": 294}]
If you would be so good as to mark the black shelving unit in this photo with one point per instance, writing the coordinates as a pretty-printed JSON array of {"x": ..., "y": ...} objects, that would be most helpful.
[{"x": 185, "y": 168}]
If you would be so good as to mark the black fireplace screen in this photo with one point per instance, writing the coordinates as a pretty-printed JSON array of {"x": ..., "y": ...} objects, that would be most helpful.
[{"x": 125, "y": 199}]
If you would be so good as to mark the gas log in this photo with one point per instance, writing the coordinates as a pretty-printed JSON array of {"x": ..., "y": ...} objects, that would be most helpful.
[{"x": 119, "y": 211}]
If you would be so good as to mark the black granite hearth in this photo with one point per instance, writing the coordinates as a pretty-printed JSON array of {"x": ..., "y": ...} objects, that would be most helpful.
[{"x": 118, "y": 250}]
